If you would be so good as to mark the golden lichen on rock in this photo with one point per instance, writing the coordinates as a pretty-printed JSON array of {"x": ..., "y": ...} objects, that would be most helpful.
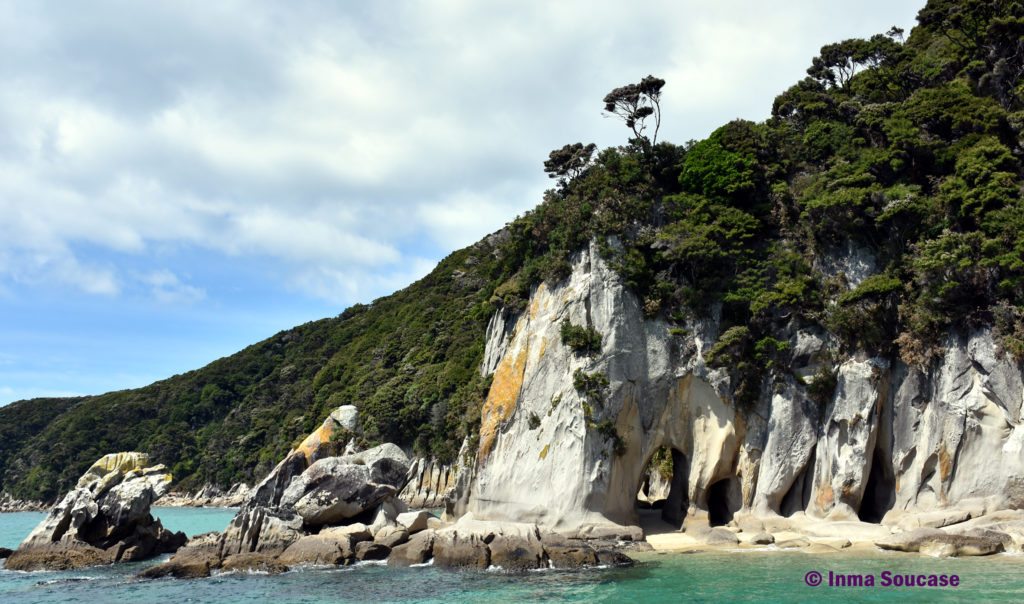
[
  {"x": 319, "y": 436},
  {"x": 502, "y": 397}
]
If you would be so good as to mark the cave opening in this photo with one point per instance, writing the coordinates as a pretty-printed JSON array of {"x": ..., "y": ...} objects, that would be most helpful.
[
  {"x": 664, "y": 485},
  {"x": 880, "y": 491},
  {"x": 720, "y": 505},
  {"x": 798, "y": 497}
]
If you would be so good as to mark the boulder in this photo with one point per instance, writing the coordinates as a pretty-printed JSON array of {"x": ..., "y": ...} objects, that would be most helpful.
[
  {"x": 57, "y": 557},
  {"x": 5, "y": 552},
  {"x": 355, "y": 532},
  {"x": 455, "y": 550},
  {"x": 197, "y": 569},
  {"x": 195, "y": 560},
  {"x": 320, "y": 444},
  {"x": 258, "y": 529},
  {"x": 940, "y": 543},
  {"x": 367, "y": 550},
  {"x": 392, "y": 536},
  {"x": 514, "y": 553},
  {"x": 436, "y": 523},
  {"x": 571, "y": 556},
  {"x": 334, "y": 489},
  {"x": 329, "y": 549},
  {"x": 832, "y": 542},
  {"x": 480, "y": 544},
  {"x": 414, "y": 522},
  {"x": 387, "y": 514},
  {"x": 347, "y": 417},
  {"x": 762, "y": 539},
  {"x": 105, "y": 518},
  {"x": 251, "y": 562},
  {"x": 611, "y": 557},
  {"x": 417, "y": 550},
  {"x": 721, "y": 536}
]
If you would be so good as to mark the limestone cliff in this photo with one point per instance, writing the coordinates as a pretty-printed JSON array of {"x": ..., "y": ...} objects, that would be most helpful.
[{"x": 562, "y": 448}]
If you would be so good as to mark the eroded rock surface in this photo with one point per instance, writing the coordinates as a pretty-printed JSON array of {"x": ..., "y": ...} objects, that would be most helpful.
[
  {"x": 565, "y": 437},
  {"x": 105, "y": 518}
]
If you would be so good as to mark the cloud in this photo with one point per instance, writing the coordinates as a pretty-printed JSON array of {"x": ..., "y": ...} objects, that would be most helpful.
[
  {"x": 167, "y": 288},
  {"x": 344, "y": 146}
]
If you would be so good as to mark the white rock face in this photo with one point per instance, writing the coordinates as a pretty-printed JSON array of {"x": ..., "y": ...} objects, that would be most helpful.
[
  {"x": 547, "y": 452},
  {"x": 890, "y": 440},
  {"x": 848, "y": 440}
]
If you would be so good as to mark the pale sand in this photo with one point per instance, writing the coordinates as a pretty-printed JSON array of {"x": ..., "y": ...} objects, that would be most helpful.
[{"x": 817, "y": 536}]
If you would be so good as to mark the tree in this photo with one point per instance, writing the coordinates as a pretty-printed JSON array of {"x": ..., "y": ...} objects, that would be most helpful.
[
  {"x": 569, "y": 162},
  {"x": 838, "y": 63},
  {"x": 634, "y": 103}
]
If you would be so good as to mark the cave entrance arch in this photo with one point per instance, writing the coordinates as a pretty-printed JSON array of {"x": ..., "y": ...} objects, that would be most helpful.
[
  {"x": 721, "y": 501},
  {"x": 664, "y": 486}
]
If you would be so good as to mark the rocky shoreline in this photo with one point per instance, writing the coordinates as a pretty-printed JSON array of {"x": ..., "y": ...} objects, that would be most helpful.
[
  {"x": 318, "y": 508},
  {"x": 207, "y": 497},
  {"x": 947, "y": 533},
  {"x": 10, "y": 504}
]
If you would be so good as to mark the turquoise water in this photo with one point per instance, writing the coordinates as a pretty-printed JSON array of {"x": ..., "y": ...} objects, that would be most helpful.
[{"x": 748, "y": 576}]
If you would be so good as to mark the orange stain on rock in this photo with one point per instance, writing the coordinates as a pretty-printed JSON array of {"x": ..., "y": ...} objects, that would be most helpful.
[
  {"x": 826, "y": 497},
  {"x": 319, "y": 436},
  {"x": 535, "y": 304},
  {"x": 945, "y": 464},
  {"x": 501, "y": 399}
]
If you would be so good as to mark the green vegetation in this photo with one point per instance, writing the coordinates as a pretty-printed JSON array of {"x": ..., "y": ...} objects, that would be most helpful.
[
  {"x": 591, "y": 386},
  {"x": 584, "y": 340},
  {"x": 606, "y": 428},
  {"x": 822, "y": 386},
  {"x": 661, "y": 461},
  {"x": 906, "y": 151},
  {"x": 409, "y": 362}
]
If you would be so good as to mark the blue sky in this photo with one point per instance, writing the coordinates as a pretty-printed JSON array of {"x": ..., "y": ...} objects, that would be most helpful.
[{"x": 179, "y": 180}]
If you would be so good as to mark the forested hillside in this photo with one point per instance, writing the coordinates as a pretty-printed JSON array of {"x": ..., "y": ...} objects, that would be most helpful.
[{"x": 902, "y": 152}]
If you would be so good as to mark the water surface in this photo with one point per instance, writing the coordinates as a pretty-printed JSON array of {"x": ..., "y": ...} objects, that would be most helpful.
[{"x": 746, "y": 576}]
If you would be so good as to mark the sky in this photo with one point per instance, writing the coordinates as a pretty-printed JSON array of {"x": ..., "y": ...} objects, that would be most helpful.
[{"x": 179, "y": 180}]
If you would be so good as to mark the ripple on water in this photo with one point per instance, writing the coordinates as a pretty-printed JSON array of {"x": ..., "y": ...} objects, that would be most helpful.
[{"x": 753, "y": 576}]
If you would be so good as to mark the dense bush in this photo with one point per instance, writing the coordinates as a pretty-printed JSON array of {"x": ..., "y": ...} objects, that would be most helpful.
[{"x": 584, "y": 340}]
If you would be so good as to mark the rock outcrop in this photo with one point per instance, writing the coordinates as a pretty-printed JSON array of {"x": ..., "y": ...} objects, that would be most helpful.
[
  {"x": 105, "y": 518},
  {"x": 208, "y": 496},
  {"x": 566, "y": 436},
  {"x": 313, "y": 508},
  {"x": 431, "y": 484},
  {"x": 11, "y": 504},
  {"x": 337, "y": 510}
]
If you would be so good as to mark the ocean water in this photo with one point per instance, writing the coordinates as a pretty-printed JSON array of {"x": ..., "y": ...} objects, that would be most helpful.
[{"x": 743, "y": 576}]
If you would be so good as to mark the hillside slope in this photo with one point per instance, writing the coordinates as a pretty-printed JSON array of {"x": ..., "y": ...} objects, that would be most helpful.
[
  {"x": 408, "y": 360},
  {"x": 880, "y": 204}
]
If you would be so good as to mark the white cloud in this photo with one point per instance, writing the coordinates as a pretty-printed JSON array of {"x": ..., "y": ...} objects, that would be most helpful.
[
  {"x": 336, "y": 141},
  {"x": 167, "y": 288}
]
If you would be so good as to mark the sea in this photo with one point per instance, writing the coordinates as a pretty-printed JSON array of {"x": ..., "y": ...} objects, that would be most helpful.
[{"x": 739, "y": 576}]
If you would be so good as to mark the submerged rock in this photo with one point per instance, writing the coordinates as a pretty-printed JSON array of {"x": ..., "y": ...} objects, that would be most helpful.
[
  {"x": 250, "y": 562},
  {"x": 940, "y": 543},
  {"x": 105, "y": 518},
  {"x": 200, "y": 555}
]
